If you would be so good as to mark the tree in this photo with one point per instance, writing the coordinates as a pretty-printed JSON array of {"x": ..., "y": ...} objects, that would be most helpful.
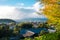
[
  {"x": 52, "y": 10},
  {"x": 26, "y": 25},
  {"x": 40, "y": 25}
]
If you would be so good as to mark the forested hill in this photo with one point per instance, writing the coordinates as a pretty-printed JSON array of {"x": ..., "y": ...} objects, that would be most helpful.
[{"x": 7, "y": 21}]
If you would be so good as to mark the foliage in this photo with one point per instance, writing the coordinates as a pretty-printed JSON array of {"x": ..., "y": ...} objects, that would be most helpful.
[
  {"x": 40, "y": 25},
  {"x": 27, "y": 39},
  {"x": 42, "y": 32},
  {"x": 52, "y": 10},
  {"x": 25, "y": 25},
  {"x": 49, "y": 36},
  {"x": 42, "y": 36}
]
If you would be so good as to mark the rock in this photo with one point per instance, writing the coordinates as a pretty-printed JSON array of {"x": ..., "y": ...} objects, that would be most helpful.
[
  {"x": 51, "y": 30},
  {"x": 28, "y": 34}
]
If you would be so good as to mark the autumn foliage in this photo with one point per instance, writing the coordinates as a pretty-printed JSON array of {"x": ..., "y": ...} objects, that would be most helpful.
[{"x": 52, "y": 10}]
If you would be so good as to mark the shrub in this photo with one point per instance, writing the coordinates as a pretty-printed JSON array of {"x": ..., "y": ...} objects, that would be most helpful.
[
  {"x": 26, "y": 25},
  {"x": 40, "y": 25}
]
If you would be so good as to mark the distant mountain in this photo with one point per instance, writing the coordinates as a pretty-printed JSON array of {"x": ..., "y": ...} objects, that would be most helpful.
[
  {"x": 33, "y": 20},
  {"x": 7, "y": 21}
]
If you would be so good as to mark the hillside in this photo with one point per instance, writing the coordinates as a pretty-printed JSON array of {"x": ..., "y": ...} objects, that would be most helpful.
[{"x": 7, "y": 21}]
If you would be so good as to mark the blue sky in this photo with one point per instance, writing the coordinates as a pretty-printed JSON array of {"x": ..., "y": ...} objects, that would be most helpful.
[
  {"x": 20, "y": 9},
  {"x": 14, "y": 2}
]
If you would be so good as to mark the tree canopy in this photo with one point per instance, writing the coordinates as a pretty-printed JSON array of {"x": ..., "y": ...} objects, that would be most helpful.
[{"x": 51, "y": 10}]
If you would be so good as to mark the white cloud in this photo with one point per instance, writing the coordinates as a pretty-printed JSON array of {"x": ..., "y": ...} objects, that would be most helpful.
[
  {"x": 20, "y": 4},
  {"x": 36, "y": 6},
  {"x": 35, "y": 15},
  {"x": 10, "y": 12},
  {"x": 26, "y": 7}
]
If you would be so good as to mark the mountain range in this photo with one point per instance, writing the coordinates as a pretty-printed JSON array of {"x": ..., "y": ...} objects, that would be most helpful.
[{"x": 33, "y": 20}]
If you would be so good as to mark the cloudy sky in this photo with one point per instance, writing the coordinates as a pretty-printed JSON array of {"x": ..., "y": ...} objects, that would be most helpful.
[{"x": 20, "y": 9}]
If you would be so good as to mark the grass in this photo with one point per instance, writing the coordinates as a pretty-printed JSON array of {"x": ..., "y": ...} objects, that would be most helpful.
[{"x": 49, "y": 36}]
